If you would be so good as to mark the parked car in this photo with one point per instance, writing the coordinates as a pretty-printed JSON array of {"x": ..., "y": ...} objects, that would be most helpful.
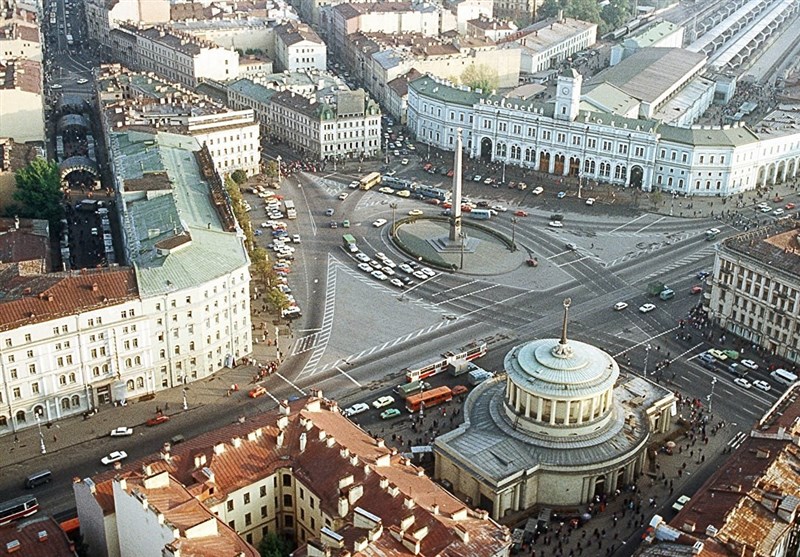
[
  {"x": 459, "y": 390},
  {"x": 158, "y": 420},
  {"x": 538, "y": 190},
  {"x": 383, "y": 401},
  {"x": 329, "y": 212},
  {"x": 121, "y": 432},
  {"x": 390, "y": 413},
  {"x": 356, "y": 409},
  {"x": 718, "y": 354},
  {"x": 749, "y": 364},
  {"x": 590, "y": 201},
  {"x": 257, "y": 392},
  {"x": 763, "y": 385},
  {"x": 116, "y": 456}
]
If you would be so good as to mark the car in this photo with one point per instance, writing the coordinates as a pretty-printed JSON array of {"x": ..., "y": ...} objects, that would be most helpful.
[
  {"x": 590, "y": 201},
  {"x": 488, "y": 181},
  {"x": 766, "y": 209},
  {"x": 561, "y": 194},
  {"x": 116, "y": 456},
  {"x": 346, "y": 223},
  {"x": 520, "y": 214},
  {"x": 396, "y": 153},
  {"x": 428, "y": 271},
  {"x": 365, "y": 267},
  {"x": 390, "y": 413},
  {"x": 388, "y": 271},
  {"x": 56, "y": 86},
  {"x": 334, "y": 224},
  {"x": 702, "y": 275},
  {"x": 383, "y": 401},
  {"x": 406, "y": 269},
  {"x": 363, "y": 257},
  {"x": 777, "y": 212},
  {"x": 477, "y": 178},
  {"x": 459, "y": 390},
  {"x": 356, "y": 409},
  {"x": 706, "y": 357},
  {"x": 763, "y": 385},
  {"x": 375, "y": 264},
  {"x": 387, "y": 190},
  {"x": 420, "y": 275},
  {"x": 379, "y": 275},
  {"x": 742, "y": 382},
  {"x": 732, "y": 354},
  {"x": 257, "y": 392},
  {"x": 342, "y": 196},
  {"x": 681, "y": 502},
  {"x": 763, "y": 205},
  {"x": 403, "y": 193},
  {"x": 500, "y": 208},
  {"x": 619, "y": 306},
  {"x": 354, "y": 185},
  {"x": 718, "y": 354},
  {"x": 83, "y": 81},
  {"x": 696, "y": 289},
  {"x": 404, "y": 162},
  {"x": 415, "y": 213},
  {"x": 532, "y": 262},
  {"x": 713, "y": 231},
  {"x": 538, "y": 190},
  {"x": 329, "y": 212},
  {"x": 749, "y": 364},
  {"x": 121, "y": 432},
  {"x": 789, "y": 207},
  {"x": 397, "y": 282},
  {"x": 572, "y": 247},
  {"x": 378, "y": 223},
  {"x": 647, "y": 308},
  {"x": 555, "y": 224},
  {"x": 158, "y": 420},
  {"x": 295, "y": 238}
]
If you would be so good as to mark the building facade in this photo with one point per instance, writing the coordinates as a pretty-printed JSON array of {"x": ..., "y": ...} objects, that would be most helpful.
[
  {"x": 548, "y": 43},
  {"x": 21, "y": 101},
  {"x": 573, "y": 138},
  {"x": 755, "y": 289},
  {"x": 102, "y": 16},
  {"x": 298, "y": 47},
  {"x": 263, "y": 475}
]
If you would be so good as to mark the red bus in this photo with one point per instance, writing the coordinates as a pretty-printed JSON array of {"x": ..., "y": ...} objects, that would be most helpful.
[
  {"x": 15, "y": 509},
  {"x": 424, "y": 369},
  {"x": 428, "y": 398}
]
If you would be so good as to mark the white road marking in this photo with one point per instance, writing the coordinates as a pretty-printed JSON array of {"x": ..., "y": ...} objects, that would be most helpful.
[
  {"x": 649, "y": 225},
  {"x": 629, "y": 222},
  {"x": 340, "y": 370}
]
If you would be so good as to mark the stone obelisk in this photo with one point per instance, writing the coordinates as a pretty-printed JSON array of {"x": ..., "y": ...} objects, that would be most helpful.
[{"x": 455, "y": 217}]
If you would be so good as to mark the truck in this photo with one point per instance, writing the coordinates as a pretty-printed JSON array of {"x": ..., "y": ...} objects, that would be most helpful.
[
  {"x": 477, "y": 376},
  {"x": 655, "y": 288},
  {"x": 291, "y": 210},
  {"x": 349, "y": 243}
]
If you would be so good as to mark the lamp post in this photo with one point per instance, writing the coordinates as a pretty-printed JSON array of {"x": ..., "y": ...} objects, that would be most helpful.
[
  {"x": 41, "y": 435},
  {"x": 709, "y": 397},
  {"x": 503, "y": 179},
  {"x": 513, "y": 233},
  {"x": 393, "y": 205},
  {"x": 646, "y": 354},
  {"x": 579, "y": 185},
  {"x": 463, "y": 237},
  {"x": 278, "y": 158},
  {"x": 185, "y": 403},
  {"x": 386, "y": 149}
]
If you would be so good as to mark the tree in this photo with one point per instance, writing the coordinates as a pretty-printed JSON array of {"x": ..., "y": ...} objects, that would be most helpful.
[
  {"x": 272, "y": 169},
  {"x": 615, "y": 14},
  {"x": 239, "y": 176},
  {"x": 480, "y": 76},
  {"x": 38, "y": 194},
  {"x": 585, "y": 10},
  {"x": 273, "y": 545}
]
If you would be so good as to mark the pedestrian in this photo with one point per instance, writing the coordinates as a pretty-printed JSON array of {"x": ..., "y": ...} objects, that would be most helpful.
[
  {"x": 16, "y": 440},
  {"x": 55, "y": 439}
]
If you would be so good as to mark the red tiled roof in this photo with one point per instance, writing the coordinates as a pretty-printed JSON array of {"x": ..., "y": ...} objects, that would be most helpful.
[
  {"x": 26, "y": 241},
  {"x": 27, "y": 299},
  {"x": 39, "y": 536},
  {"x": 22, "y": 74}
]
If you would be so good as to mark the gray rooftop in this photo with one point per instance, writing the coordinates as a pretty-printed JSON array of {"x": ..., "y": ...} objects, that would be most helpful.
[
  {"x": 429, "y": 87},
  {"x": 653, "y": 34},
  {"x": 184, "y": 211},
  {"x": 731, "y": 136}
]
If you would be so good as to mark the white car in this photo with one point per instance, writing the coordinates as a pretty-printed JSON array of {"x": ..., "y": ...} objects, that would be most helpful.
[
  {"x": 428, "y": 271},
  {"x": 343, "y": 196},
  {"x": 538, "y": 190},
  {"x": 356, "y": 409},
  {"x": 742, "y": 382},
  {"x": 749, "y": 364},
  {"x": 379, "y": 275},
  {"x": 406, "y": 269},
  {"x": 295, "y": 238},
  {"x": 388, "y": 262},
  {"x": 83, "y": 81},
  {"x": 619, "y": 306},
  {"x": 500, "y": 208},
  {"x": 354, "y": 185},
  {"x": 647, "y": 308},
  {"x": 420, "y": 275},
  {"x": 397, "y": 282},
  {"x": 365, "y": 267},
  {"x": 121, "y": 432},
  {"x": 404, "y": 161},
  {"x": 763, "y": 385},
  {"x": 116, "y": 456},
  {"x": 388, "y": 271},
  {"x": 555, "y": 224},
  {"x": 777, "y": 212},
  {"x": 378, "y": 223},
  {"x": 383, "y": 401},
  {"x": 363, "y": 257},
  {"x": 765, "y": 209},
  {"x": 590, "y": 201}
]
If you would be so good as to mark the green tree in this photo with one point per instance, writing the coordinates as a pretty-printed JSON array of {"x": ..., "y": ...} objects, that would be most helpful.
[
  {"x": 273, "y": 545},
  {"x": 239, "y": 176},
  {"x": 615, "y": 14},
  {"x": 480, "y": 76},
  {"x": 272, "y": 169},
  {"x": 38, "y": 194},
  {"x": 585, "y": 10},
  {"x": 237, "y": 204}
]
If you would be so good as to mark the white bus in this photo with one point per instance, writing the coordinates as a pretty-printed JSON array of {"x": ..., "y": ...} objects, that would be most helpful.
[{"x": 782, "y": 376}]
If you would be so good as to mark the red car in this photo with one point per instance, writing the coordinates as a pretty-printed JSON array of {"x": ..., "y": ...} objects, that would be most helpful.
[
  {"x": 466, "y": 208},
  {"x": 696, "y": 289},
  {"x": 520, "y": 214},
  {"x": 447, "y": 205},
  {"x": 459, "y": 390},
  {"x": 790, "y": 206},
  {"x": 158, "y": 420},
  {"x": 450, "y": 173},
  {"x": 257, "y": 392},
  {"x": 533, "y": 262}
]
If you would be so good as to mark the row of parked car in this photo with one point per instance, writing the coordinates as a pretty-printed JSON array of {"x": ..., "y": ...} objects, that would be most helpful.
[
  {"x": 382, "y": 268},
  {"x": 281, "y": 244},
  {"x": 726, "y": 360}
]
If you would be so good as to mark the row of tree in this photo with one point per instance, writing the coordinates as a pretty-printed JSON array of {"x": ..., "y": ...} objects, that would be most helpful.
[{"x": 612, "y": 15}]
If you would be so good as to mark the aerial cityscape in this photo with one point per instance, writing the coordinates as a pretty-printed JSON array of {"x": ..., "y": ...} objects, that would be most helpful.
[{"x": 435, "y": 278}]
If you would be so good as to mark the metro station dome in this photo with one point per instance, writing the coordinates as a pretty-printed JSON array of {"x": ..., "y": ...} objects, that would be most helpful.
[{"x": 558, "y": 387}]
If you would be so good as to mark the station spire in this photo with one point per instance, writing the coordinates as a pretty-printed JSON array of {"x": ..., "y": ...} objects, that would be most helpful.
[{"x": 563, "y": 349}]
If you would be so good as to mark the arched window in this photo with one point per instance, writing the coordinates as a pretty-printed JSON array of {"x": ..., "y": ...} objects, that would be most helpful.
[
  {"x": 21, "y": 417},
  {"x": 96, "y": 371},
  {"x": 618, "y": 172},
  {"x": 140, "y": 382},
  {"x": 76, "y": 400},
  {"x": 62, "y": 380},
  {"x": 105, "y": 368},
  {"x": 129, "y": 384},
  {"x": 137, "y": 360},
  {"x": 191, "y": 345},
  {"x": 38, "y": 410},
  {"x": 3, "y": 421},
  {"x": 65, "y": 404},
  {"x": 128, "y": 362},
  {"x": 72, "y": 377}
]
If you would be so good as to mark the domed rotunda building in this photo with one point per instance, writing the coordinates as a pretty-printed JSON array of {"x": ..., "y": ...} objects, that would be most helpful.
[{"x": 561, "y": 426}]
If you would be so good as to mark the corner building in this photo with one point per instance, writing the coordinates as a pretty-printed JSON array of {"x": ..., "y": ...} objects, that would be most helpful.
[{"x": 561, "y": 428}]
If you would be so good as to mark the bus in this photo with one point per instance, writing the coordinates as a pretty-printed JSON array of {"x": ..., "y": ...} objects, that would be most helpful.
[
  {"x": 407, "y": 389},
  {"x": 432, "y": 366},
  {"x": 370, "y": 180},
  {"x": 15, "y": 509},
  {"x": 428, "y": 399},
  {"x": 432, "y": 192},
  {"x": 782, "y": 376}
]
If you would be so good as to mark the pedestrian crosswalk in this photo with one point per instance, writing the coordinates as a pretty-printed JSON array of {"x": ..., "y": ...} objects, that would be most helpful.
[{"x": 683, "y": 262}]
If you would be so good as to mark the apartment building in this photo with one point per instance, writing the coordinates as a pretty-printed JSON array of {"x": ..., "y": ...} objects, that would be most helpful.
[
  {"x": 755, "y": 289},
  {"x": 298, "y": 47},
  {"x": 549, "y": 42},
  {"x": 21, "y": 100},
  {"x": 143, "y": 100},
  {"x": 262, "y": 475},
  {"x": 491, "y": 29},
  {"x": 102, "y": 15},
  {"x": 178, "y": 57},
  {"x": 20, "y": 39}
]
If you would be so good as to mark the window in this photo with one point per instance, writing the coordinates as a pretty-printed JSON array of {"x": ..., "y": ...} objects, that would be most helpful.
[
  {"x": 230, "y": 504},
  {"x": 287, "y": 480},
  {"x": 27, "y": 339},
  {"x": 287, "y": 500},
  {"x": 32, "y": 369},
  {"x": 246, "y": 498},
  {"x": 263, "y": 491},
  {"x": 288, "y": 520},
  {"x": 264, "y": 511},
  {"x": 35, "y": 388},
  {"x": 248, "y": 519}
]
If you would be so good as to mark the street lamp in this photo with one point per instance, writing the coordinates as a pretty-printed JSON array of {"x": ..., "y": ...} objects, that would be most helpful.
[
  {"x": 393, "y": 205},
  {"x": 185, "y": 403},
  {"x": 513, "y": 233},
  {"x": 41, "y": 435},
  {"x": 579, "y": 185},
  {"x": 278, "y": 158},
  {"x": 503, "y": 179},
  {"x": 708, "y": 398},
  {"x": 646, "y": 354},
  {"x": 463, "y": 237}
]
